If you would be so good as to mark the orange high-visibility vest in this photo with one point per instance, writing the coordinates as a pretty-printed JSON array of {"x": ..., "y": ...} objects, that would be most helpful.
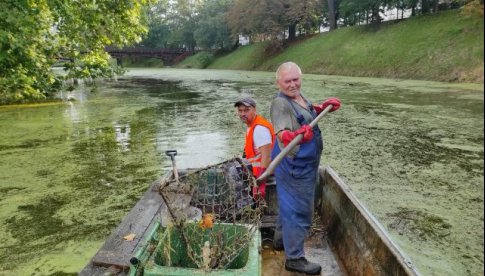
[{"x": 251, "y": 156}]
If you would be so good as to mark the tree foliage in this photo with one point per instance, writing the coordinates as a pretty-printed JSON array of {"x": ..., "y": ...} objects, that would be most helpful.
[
  {"x": 26, "y": 51},
  {"x": 272, "y": 18},
  {"x": 354, "y": 12},
  {"x": 89, "y": 26},
  {"x": 254, "y": 17},
  {"x": 36, "y": 33},
  {"x": 212, "y": 32},
  {"x": 172, "y": 24},
  {"x": 158, "y": 26}
]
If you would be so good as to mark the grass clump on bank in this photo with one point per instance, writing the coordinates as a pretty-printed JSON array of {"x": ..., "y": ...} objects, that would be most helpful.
[{"x": 199, "y": 61}]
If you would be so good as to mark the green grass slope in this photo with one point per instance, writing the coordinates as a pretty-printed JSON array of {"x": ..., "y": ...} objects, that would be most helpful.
[
  {"x": 444, "y": 47},
  {"x": 244, "y": 58}
]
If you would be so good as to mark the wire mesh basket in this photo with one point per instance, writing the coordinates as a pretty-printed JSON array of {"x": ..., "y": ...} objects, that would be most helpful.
[{"x": 213, "y": 214}]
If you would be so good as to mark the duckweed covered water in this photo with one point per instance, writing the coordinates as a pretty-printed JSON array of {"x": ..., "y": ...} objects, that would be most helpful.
[{"x": 411, "y": 151}]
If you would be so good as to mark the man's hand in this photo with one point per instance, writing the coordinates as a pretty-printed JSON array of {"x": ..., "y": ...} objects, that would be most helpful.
[
  {"x": 288, "y": 136},
  {"x": 335, "y": 102},
  {"x": 261, "y": 189}
]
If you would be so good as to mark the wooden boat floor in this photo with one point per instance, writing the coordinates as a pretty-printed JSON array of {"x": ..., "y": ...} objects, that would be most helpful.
[{"x": 317, "y": 250}]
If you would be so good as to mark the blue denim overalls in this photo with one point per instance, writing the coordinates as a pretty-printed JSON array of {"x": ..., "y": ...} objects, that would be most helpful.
[{"x": 295, "y": 183}]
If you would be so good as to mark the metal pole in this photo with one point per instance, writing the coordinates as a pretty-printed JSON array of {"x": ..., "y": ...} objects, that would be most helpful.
[{"x": 277, "y": 160}]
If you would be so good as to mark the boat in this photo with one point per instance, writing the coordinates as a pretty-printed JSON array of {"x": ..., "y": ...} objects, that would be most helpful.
[{"x": 345, "y": 240}]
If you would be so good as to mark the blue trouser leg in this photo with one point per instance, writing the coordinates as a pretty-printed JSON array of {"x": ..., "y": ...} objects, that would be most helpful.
[
  {"x": 296, "y": 178},
  {"x": 295, "y": 198}
]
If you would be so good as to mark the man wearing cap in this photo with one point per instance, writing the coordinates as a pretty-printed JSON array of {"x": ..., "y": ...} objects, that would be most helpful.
[{"x": 259, "y": 140}]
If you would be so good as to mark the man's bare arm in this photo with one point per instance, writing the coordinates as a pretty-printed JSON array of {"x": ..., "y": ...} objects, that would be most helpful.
[{"x": 265, "y": 155}]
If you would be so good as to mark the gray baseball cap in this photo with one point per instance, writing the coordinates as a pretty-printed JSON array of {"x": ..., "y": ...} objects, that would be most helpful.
[{"x": 246, "y": 102}]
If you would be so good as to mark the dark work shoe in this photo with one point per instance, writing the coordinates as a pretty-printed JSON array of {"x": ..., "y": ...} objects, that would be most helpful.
[
  {"x": 278, "y": 241},
  {"x": 303, "y": 265}
]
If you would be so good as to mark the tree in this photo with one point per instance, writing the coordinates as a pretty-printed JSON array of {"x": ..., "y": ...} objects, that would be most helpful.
[
  {"x": 183, "y": 23},
  {"x": 303, "y": 13},
  {"x": 27, "y": 49},
  {"x": 363, "y": 11},
  {"x": 90, "y": 26},
  {"x": 35, "y": 33},
  {"x": 272, "y": 18},
  {"x": 212, "y": 30},
  {"x": 352, "y": 11},
  {"x": 159, "y": 31},
  {"x": 172, "y": 24},
  {"x": 332, "y": 14},
  {"x": 254, "y": 18}
]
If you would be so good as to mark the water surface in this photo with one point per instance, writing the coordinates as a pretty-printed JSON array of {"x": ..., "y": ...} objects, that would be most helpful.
[{"x": 411, "y": 151}]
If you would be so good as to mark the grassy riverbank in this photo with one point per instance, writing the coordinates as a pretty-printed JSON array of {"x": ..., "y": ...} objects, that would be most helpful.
[{"x": 443, "y": 47}]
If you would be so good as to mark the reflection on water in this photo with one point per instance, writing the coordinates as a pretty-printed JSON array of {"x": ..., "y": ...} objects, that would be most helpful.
[
  {"x": 411, "y": 151},
  {"x": 122, "y": 132},
  {"x": 200, "y": 149}
]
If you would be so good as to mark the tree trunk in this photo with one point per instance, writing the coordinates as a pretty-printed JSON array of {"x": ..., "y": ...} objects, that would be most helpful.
[
  {"x": 292, "y": 32},
  {"x": 332, "y": 18},
  {"x": 436, "y": 6},
  {"x": 236, "y": 44},
  {"x": 425, "y": 6},
  {"x": 376, "y": 18}
]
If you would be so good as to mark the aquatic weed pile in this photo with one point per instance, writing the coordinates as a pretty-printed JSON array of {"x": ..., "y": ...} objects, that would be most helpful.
[{"x": 210, "y": 217}]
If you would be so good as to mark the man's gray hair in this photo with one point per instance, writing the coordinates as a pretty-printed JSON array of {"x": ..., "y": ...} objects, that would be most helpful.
[{"x": 286, "y": 66}]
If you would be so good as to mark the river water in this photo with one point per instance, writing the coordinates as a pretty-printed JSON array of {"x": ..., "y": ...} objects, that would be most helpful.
[{"x": 411, "y": 151}]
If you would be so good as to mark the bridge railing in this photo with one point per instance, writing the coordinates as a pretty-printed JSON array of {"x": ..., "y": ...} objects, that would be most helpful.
[{"x": 167, "y": 55}]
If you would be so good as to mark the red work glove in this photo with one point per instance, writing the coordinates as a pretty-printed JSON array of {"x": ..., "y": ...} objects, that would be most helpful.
[
  {"x": 288, "y": 136},
  {"x": 261, "y": 189},
  {"x": 335, "y": 102}
]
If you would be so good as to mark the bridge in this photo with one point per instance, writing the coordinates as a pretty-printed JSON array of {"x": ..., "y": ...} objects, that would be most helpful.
[{"x": 169, "y": 56}]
